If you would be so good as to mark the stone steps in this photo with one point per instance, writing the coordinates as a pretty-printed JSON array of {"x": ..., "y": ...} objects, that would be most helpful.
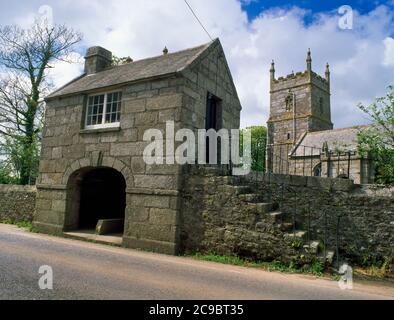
[
  {"x": 242, "y": 190},
  {"x": 297, "y": 234},
  {"x": 250, "y": 197},
  {"x": 263, "y": 207},
  {"x": 329, "y": 258},
  {"x": 276, "y": 216},
  {"x": 286, "y": 226},
  {"x": 312, "y": 247}
]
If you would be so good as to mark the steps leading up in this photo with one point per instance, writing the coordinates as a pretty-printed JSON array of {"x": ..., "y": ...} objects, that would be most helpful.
[
  {"x": 254, "y": 199},
  {"x": 250, "y": 197},
  {"x": 312, "y": 247},
  {"x": 329, "y": 258},
  {"x": 242, "y": 190},
  {"x": 263, "y": 207},
  {"x": 298, "y": 234},
  {"x": 286, "y": 226}
]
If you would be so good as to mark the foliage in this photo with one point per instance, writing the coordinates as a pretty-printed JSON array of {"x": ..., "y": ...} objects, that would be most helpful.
[
  {"x": 231, "y": 259},
  {"x": 21, "y": 156},
  {"x": 26, "y": 55},
  {"x": 258, "y": 145},
  {"x": 296, "y": 244},
  {"x": 377, "y": 140},
  {"x": 19, "y": 224},
  {"x": 372, "y": 266},
  {"x": 6, "y": 174},
  {"x": 299, "y": 264},
  {"x": 117, "y": 61}
]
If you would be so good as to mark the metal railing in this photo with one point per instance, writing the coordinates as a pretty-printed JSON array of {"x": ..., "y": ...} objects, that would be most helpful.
[{"x": 308, "y": 161}]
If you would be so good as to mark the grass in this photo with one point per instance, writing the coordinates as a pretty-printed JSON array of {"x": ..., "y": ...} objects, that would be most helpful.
[
  {"x": 372, "y": 272},
  {"x": 315, "y": 267},
  {"x": 19, "y": 224},
  {"x": 380, "y": 271}
]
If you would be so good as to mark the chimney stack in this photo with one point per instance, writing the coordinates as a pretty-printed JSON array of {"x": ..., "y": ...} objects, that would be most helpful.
[{"x": 97, "y": 59}]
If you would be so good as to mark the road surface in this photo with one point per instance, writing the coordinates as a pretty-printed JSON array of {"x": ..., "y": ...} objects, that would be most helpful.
[{"x": 83, "y": 270}]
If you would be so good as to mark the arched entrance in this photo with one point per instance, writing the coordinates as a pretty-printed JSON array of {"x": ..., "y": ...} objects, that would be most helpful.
[
  {"x": 95, "y": 194},
  {"x": 317, "y": 170}
]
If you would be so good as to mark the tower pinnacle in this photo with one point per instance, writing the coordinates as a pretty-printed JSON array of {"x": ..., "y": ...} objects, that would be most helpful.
[
  {"x": 309, "y": 61},
  {"x": 327, "y": 72},
  {"x": 272, "y": 70}
]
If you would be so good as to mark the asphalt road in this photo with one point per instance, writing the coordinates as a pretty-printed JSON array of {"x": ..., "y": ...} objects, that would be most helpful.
[{"x": 83, "y": 270}]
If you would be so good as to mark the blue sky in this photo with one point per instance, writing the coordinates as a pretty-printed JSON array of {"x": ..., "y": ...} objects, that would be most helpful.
[
  {"x": 252, "y": 33},
  {"x": 255, "y": 7}
]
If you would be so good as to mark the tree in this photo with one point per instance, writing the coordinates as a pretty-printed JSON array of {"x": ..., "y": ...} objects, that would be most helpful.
[
  {"x": 6, "y": 175},
  {"x": 258, "y": 145},
  {"x": 377, "y": 140},
  {"x": 26, "y": 55},
  {"x": 118, "y": 61}
]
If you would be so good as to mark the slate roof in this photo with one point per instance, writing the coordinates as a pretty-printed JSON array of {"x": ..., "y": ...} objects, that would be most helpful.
[
  {"x": 138, "y": 70},
  {"x": 343, "y": 139}
]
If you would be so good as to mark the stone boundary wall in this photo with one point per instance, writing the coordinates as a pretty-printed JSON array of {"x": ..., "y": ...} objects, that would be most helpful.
[
  {"x": 359, "y": 217},
  {"x": 214, "y": 220},
  {"x": 17, "y": 203}
]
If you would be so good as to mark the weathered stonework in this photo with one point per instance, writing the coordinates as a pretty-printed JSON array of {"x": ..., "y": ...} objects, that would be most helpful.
[
  {"x": 69, "y": 150},
  {"x": 17, "y": 203},
  {"x": 219, "y": 217}
]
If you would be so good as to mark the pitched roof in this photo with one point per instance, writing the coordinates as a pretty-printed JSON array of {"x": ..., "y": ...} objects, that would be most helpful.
[
  {"x": 137, "y": 70},
  {"x": 343, "y": 139}
]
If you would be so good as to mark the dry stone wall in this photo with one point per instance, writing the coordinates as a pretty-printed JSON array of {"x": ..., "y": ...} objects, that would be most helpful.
[
  {"x": 359, "y": 218},
  {"x": 17, "y": 203}
]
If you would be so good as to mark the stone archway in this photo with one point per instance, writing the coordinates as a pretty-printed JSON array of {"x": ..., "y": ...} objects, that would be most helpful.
[
  {"x": 317, "y": 170},
  {"x": 93, "y": 194}
]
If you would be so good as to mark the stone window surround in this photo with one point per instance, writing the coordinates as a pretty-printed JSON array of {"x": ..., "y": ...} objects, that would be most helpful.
[{"x": 103, "y": 125}]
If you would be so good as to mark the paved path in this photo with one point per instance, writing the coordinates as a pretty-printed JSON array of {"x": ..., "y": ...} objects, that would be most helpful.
[{"x": 85, "y": 270}]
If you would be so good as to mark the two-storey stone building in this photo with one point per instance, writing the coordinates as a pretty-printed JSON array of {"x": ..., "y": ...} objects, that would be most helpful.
[{"x": 92, "y": 165}]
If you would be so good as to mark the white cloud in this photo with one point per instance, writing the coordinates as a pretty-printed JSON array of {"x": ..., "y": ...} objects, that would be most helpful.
[
  {"x": 361, "y": 59},
  {"x": 388, "y": 52},
  {"x": 63, "y": 71}
]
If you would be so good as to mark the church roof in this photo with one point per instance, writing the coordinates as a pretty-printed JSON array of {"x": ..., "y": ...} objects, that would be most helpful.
[
  {"x": 342, "y": 139},
  {"x": 138, "y": 70}
]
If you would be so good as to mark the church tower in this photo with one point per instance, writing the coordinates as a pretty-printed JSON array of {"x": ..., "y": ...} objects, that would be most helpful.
[{"x": 299, "y": 103}]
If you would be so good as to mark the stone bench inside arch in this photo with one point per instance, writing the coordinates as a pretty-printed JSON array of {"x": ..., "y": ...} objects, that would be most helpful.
[{"x": 107, "y": 226}]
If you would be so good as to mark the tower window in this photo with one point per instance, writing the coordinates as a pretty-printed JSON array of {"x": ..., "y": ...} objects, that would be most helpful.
[
  {"x": 288, "y": 136},
  {"x": 289, "y": 102},
  {"x": 321, "y": 107}
]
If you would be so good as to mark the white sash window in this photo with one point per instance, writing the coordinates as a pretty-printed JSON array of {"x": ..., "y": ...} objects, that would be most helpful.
[{"x": 103, "y": 110}]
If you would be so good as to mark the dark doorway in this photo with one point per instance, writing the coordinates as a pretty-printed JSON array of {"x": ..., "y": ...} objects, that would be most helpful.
[
  {"x": 212, "y": 119},
  {"x": 212, "y": 113},
  {"x": 94, "y": 194},
  {"x": 317, "y": 170},
  {"x": 102, "y": 197}
]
